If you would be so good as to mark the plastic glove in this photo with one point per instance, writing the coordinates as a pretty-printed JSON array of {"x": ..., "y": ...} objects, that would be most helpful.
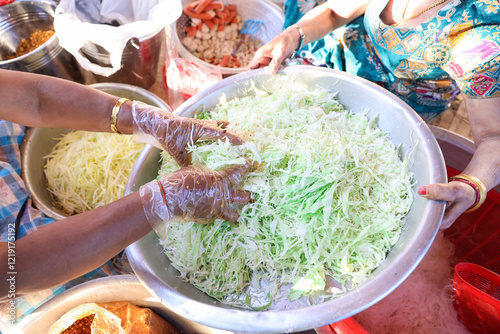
[
  {"x": 168, "y": 131},
  {"x": 195, "y": 193}
]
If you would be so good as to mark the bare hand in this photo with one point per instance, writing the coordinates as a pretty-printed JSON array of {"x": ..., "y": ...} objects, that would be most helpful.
[
  {"x": 274, "y": 53},
  {"x": 459, "y": 197}
]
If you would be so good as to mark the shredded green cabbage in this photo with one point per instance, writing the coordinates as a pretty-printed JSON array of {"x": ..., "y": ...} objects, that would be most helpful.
[
  {"x": 328, "y": 206},
  {"x": 86, "y": 170}
]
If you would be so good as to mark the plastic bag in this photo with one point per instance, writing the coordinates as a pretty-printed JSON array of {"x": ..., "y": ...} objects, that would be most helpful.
[
  {"x": 184, "y": 79},
  {"x": 109, "y": 24},
  {"x": 137, "y": 319},
  {"x": 104, "y": 321}
]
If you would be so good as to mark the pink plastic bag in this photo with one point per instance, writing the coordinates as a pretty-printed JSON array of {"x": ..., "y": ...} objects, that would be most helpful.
[{"x": 184, "y": 79}]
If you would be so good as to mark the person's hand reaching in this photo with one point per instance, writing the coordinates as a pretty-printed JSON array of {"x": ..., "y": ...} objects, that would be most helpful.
[{"x": 275, "y": 52}]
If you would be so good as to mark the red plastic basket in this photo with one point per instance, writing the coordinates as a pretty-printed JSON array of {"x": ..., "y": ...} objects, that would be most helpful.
[
  {"x": 477, "y": 298},
  {"x": 476, "y": 235},
  {"x": 346, "y": 326}
]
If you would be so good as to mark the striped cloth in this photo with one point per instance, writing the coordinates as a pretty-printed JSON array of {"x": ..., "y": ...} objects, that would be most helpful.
[{"x": 18, "y": 218}]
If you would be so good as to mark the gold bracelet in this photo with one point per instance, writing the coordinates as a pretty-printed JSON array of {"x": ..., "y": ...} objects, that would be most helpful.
[
  {"x": 475, "y": 183},
  {"x": 162, "y": 190},
  {"x": 114, "y": 114}
]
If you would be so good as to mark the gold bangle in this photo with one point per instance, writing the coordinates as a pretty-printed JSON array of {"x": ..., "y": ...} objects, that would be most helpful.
[
  {"x": 162, "y": 190},
  {"x": 114, "y": 114},
  {"x": 478, "y": 186}
]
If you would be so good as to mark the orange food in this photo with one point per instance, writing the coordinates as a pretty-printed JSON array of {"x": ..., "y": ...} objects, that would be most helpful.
[
  {"x": 191, "y": 31},
  {"x": 209, "y": 23},
  {"x": 202, "y": 16},
  {"x": 214, "y": 5},
  {"x": 225, "y": 60},
  {"x": 200, "y": 8}
]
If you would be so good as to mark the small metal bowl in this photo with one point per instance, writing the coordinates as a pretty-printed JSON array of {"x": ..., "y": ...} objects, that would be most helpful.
[
  {"x": 39, "y": 142},
  {"x": 19, "y": 20},
  {"x": 125, "y": 288},
  {"x": 421, "y": 225}
]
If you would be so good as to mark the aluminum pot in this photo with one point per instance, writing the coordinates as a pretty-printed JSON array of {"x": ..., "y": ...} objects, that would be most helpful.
[
  {"x": 39, "y": 142},
  {"x": 19, "y": 20},
  {"x": 104, "y": 290},
  {"x": 404, "y": 127},
  {"x": 140, "y": 60}
]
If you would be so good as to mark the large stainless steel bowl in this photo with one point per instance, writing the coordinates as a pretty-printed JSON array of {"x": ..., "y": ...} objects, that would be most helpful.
[
  {"x": 404, "y": 126},
  {"x": 39, "y": 142},
  {"x": 104, "y": 290}
]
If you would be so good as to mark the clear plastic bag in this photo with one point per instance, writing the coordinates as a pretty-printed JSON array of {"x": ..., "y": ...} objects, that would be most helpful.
[
  {"x": 110, "y": 24},
  {"x": 115, "y": 318},
  {"x": 104, "y": 321},
  {"x": 184, "y": 78}
]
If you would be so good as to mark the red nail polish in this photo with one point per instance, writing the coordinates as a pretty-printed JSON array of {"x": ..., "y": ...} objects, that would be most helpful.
[{"x": 422, "y": 190}]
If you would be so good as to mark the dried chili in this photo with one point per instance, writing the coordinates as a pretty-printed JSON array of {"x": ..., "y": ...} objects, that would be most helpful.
[{"x": 81, "y": 326}]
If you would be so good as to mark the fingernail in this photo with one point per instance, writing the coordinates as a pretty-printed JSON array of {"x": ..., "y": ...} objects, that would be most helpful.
[{"x": 422, "y": 190}]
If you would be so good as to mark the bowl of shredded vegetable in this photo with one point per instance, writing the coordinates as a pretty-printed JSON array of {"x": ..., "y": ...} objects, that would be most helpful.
[
  {"x": 334, "y": 224},
  {"x": 69, "y": 172}
]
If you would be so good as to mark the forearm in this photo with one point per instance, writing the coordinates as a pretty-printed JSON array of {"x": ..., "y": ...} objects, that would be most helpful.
[
  {"x": 76, "y": 245},
  {"x": 44, "y": 101},
  {"x": 329, "y": 16},
  {"x": 485, "y": 163},
  {"x": 484, "y": 117}
]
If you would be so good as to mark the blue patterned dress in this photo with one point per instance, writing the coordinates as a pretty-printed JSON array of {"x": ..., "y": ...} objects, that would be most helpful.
[{"x": 457, "y": 51}]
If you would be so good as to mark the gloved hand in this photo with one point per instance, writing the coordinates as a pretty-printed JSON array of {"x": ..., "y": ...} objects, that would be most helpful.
[
  {"x": 195, "y": 193},
  {"x": 168, "y": 131}
]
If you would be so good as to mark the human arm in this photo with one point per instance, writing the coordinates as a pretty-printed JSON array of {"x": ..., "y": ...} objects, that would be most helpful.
[
  {"x": 75, "y": 245},
  {"x": 315, "y": 24},
  {"x": 42, "y": 101},
  {"x": 484, "y": 118}
]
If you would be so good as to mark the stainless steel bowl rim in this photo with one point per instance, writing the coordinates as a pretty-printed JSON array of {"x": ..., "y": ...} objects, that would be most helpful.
[
  {"x": 367, "y": 294},
  {"x": 117, "y": 288}
]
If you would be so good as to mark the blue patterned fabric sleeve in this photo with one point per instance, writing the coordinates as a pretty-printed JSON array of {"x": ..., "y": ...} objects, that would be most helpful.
[{"x": 474, "y": 45}]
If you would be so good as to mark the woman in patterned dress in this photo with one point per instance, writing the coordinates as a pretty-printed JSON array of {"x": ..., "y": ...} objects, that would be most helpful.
[{"x": 426, "y": 52}]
